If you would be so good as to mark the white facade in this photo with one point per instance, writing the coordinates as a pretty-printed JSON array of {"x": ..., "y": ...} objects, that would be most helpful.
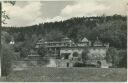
[{"x": 97, "y": 53}]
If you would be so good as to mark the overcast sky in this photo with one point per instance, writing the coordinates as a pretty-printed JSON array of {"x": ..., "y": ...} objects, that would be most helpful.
[{"x": 26, "y": 13}]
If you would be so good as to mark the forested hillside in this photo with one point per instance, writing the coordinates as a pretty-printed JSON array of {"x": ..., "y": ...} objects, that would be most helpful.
[{"x": 112, "y": 29}]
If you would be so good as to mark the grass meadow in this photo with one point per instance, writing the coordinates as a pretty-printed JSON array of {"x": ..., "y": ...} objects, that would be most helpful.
[{"x": 45, "y": 74}]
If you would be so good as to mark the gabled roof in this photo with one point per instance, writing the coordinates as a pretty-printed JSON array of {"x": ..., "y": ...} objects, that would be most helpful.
[
  {"x": 41, "y": 40},
  {"x": 84, "y": 40},
  {"x": 65, "y": 38}
]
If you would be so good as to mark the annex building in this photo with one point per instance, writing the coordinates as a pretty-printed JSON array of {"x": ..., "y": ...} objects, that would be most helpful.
[{"x": 67, "y": 53}]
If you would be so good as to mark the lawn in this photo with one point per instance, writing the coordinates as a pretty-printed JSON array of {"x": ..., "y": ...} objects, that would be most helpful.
[{"x": 43, "y": 74}]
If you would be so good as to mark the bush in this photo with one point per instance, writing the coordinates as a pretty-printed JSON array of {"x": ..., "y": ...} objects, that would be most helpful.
[
  {"x": 6, "y": 61},
  {"x": 42, "y": 51},
  {"x": 83, "y": 65},
  {"x": 123, "y": 60},
  {"x": 118, "y": 58},
  {"x": 75, "y": 54}
]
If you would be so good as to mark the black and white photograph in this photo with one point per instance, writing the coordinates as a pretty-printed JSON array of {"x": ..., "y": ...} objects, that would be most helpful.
[{"x": 63, "y": 41}]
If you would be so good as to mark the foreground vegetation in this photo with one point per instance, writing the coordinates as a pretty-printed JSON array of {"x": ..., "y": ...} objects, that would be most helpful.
[{"x": 43, "y": 74}]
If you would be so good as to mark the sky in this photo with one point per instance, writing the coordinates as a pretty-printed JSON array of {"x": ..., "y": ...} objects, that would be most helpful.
[{"x": 27, "y": 13}]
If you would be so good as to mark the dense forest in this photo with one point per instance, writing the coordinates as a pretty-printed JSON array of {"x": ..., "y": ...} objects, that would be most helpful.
[
  {"x": 112, "y": 29},
  {"x": 109, "y": 29}
]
